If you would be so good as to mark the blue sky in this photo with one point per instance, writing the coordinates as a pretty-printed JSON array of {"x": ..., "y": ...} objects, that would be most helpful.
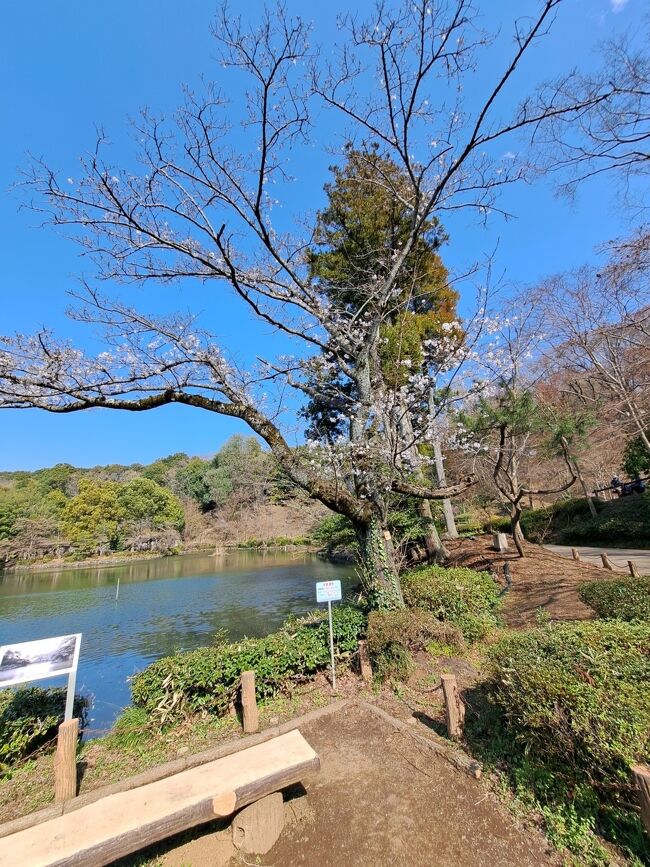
[{"x": 67, "y": 66}]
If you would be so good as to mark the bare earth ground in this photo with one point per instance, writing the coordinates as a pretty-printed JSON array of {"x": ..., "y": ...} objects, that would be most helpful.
[
  {"x": 381, "y": 798},
  {"x": 541, "y": 579}
]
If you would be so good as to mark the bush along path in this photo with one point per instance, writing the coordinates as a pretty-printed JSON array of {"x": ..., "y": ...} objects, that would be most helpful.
[{"x": 556, "y": 713}]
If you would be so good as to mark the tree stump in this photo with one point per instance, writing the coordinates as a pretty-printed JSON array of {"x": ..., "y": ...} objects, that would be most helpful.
[
  {"x": 500, "y": 542},
  {"x": 250, "y": 716},
  {"x": 607, "y": 563},
  {"x": 65, "y": 761},
  {"x": 454, "y": 707},
  {"x": 634, "y": 572},
  {"x": 641, "y": 774},
  {"x": 364, "y": 662},
  {"x": 255, "y": 830}
]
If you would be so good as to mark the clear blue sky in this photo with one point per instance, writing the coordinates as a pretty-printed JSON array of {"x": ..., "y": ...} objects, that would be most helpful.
[{"x": 67, "y": 66}]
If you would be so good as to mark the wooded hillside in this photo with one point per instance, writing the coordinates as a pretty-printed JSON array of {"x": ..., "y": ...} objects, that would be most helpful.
[{"x": 239, "y": 496}]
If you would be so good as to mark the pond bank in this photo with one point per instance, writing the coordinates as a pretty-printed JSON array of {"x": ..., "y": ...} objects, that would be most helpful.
[{"x": 124, "y": 559}]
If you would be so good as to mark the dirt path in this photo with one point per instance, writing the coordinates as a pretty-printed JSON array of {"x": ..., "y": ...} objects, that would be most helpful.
[
  {"x": 542, "y": 579},
  {"x": 381, "y": 798}
]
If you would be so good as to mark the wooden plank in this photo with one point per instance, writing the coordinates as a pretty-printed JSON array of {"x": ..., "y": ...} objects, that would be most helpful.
[
  {"x": 158, "y": 772},
  {"x": 123, "y": 823},
  {"x": 65, "y": 761},
  {"x": 250, "y": 715},
  {"x": 641, "y": 774}
]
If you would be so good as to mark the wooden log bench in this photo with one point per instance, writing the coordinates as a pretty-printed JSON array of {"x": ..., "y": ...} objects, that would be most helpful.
[{"x": 126, "y": 822}]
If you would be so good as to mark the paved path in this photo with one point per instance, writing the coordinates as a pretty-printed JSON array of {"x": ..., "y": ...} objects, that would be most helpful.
[{"x": 618, "y": 556}]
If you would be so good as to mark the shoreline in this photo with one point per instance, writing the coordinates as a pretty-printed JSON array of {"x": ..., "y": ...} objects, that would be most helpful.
[{"x": 122, "y": 560}]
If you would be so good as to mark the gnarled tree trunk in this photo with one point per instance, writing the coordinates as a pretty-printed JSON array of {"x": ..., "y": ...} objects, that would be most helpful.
[{"x": 378, "y": 566}]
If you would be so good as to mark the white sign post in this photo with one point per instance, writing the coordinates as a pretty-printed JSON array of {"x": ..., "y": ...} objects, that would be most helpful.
[
  {"x": 36, "y": 660},
  {"x": 329, "y": 591}
]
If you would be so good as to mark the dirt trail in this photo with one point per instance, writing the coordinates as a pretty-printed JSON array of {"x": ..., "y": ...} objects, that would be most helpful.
[
  {"x": 383, "y": 799},
  {"x": 541, "y": 579}
]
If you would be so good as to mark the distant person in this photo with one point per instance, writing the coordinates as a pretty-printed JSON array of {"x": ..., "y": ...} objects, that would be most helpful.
[
  {"x": 616, "y": 486},
  {"x": 638, "y": 484}
]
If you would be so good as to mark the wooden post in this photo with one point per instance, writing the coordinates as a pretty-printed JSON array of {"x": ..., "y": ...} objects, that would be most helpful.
[
  {"x": 575, "y": 554},
  {"x": 634, "y": 572},
  {"x": 641, "y": 774},
  {"x": 364, "y": 662},
  {"x": 455, "y": 709},
  {"x": 248, "y": 702},
  {"x": 607, "y": 563},
  {"x": 65, "y": 761}
]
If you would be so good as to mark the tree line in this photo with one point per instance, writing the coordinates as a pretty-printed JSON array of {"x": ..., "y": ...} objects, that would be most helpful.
[{"x": 66, "y": 511}]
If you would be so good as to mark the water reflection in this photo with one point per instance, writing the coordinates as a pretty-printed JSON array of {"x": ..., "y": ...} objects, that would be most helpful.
[{"x": 164, "y": 605}]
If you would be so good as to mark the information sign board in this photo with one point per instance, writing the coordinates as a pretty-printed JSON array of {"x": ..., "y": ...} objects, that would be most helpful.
[
  {"x": 46, "y": 657},
  {"x": 328, "y": 591}
]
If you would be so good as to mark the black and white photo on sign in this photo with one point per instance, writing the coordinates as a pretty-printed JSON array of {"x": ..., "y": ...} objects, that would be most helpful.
[{"x": 31, "y": 660}]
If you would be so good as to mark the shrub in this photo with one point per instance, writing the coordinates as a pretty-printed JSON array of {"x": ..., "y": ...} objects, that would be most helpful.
[
  {"x": 540, "y": 525},
  {"x": 207, "y": 679},
  {"x": 620, "y": 523},
  {"x": 576, "y": 699},
  {"x": 618, "y": 599},
  {"x": 393, "y": 635},
  {"x": 463, "y": 597},
  {"x": 29, "y": 718}
]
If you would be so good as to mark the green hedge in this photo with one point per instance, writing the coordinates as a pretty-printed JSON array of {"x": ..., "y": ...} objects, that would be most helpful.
[
  {"x": 618, "y": 598},
  {"x": 620, "y": 523},
  {"x": 548, "y": 522},
  {"x": 207, "y": 679},
  {"x": 577, "y": 696},
  {"x": 393, "y": 635},
  {"x": 464, "y": 597},
  {"x": 29, "y": 718}
]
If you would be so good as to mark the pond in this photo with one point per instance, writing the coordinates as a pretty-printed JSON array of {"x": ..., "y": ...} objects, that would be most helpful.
[{"x": 164, "y": 605}]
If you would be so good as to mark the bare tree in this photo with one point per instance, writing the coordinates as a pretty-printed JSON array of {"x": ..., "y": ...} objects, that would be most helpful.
[
  {"x": 610, "y": 134},
  {"x": 203, "y": 205},
  {"x": 598, "y": 336},
  {"x": 510, "y": 430}
]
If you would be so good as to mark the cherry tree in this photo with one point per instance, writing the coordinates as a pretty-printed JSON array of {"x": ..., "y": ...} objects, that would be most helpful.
[{"x": 203, "y": 204}]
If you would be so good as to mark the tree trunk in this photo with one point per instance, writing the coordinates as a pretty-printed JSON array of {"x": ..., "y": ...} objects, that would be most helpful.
[
  {"x": 447, "y": 508},
  {"x": 378, "y": 567},
  {"x": 436, "y": 551},
  {"x": 515, "y": 527},
  {"x": 585, "y": 490}
]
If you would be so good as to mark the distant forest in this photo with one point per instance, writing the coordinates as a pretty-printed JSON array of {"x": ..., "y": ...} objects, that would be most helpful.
[{"x": 239, "y": 496}]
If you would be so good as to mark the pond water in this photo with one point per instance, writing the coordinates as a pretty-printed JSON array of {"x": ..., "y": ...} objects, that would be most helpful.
[{"x": 164, "y": 605}]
